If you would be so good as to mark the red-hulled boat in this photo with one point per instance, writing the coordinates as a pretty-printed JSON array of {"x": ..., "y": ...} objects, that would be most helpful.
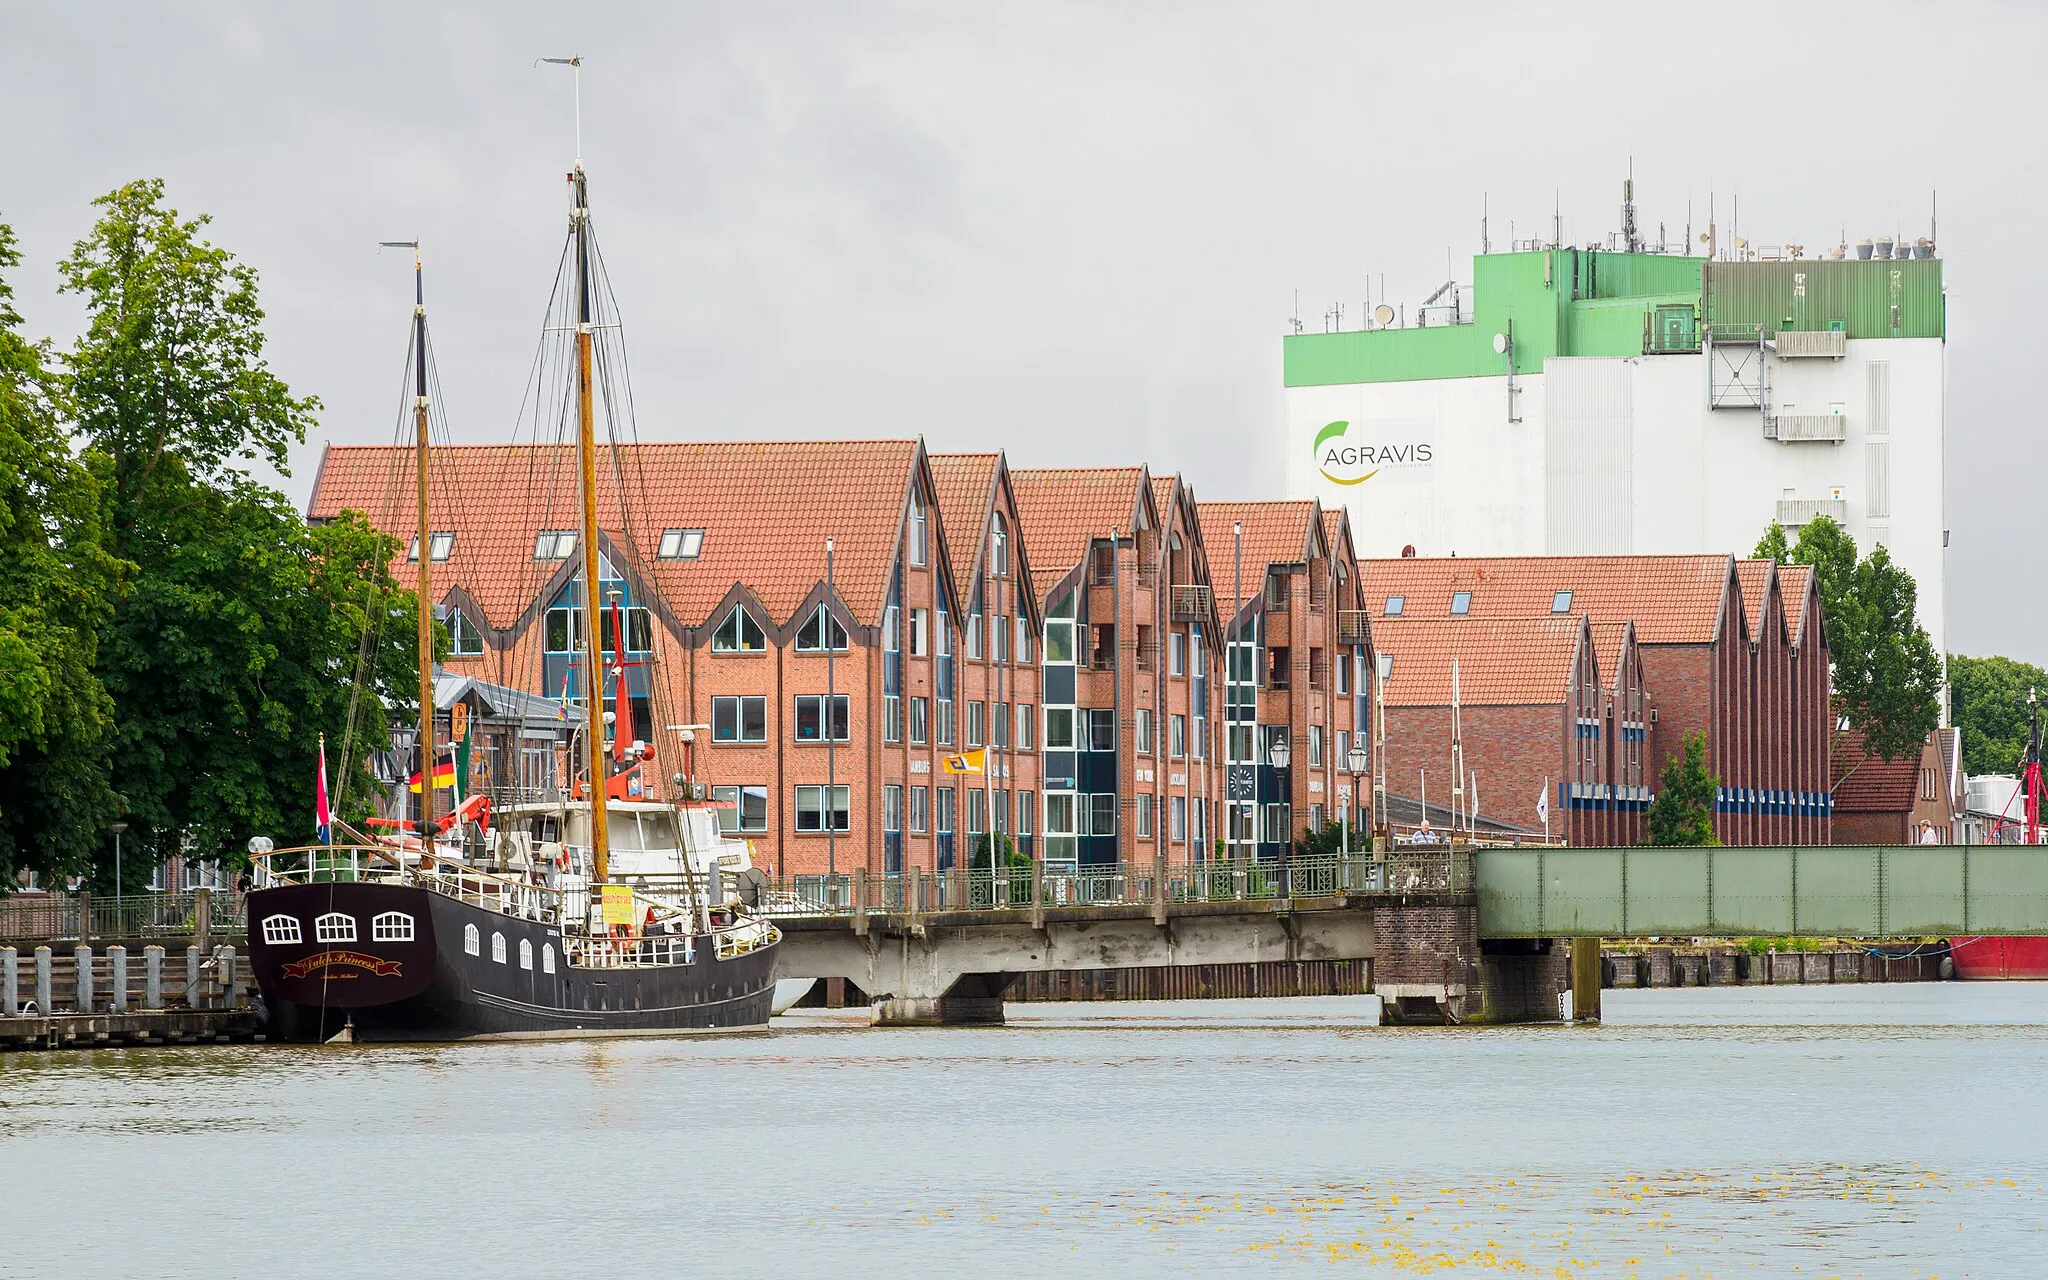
[{"x": 2012, "y": 957}]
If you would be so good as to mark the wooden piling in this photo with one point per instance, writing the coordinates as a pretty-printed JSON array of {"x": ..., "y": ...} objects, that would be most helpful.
[{"x": 1585, "y": 979}]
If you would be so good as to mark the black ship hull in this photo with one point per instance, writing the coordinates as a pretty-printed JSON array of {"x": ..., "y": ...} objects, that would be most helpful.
[{"x": 395, "y": 963}]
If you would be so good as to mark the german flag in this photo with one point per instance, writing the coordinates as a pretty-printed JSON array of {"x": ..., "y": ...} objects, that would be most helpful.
[{"x": 444, "y": 775}]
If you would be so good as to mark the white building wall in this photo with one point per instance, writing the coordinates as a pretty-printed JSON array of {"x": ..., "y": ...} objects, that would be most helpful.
[{"x": 1621, "y": 454}]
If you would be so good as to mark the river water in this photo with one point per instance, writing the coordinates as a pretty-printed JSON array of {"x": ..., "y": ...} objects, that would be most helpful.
[{"x": 1856, "y": 1131}]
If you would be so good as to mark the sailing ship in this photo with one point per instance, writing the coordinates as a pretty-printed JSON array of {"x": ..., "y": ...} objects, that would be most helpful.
[
  {"x": 2012, "y": 957},
  {"x": 600, "y": 910}
]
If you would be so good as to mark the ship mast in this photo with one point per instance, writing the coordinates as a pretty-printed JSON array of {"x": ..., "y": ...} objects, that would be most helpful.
[
  {"x": 586, "y": 445},
  {"x": 422, "y": 536}
]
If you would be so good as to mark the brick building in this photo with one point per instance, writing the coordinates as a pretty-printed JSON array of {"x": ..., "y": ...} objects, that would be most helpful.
[
  {"x": 1761, "y": 708},
  {"x": 1879, "y": 801},
  {"x": 1299, "y": 649},
  {"x": 1129, "y": 647},
  {"x": 822, "y": 706},
  {"x": 1538, "y": 717}
]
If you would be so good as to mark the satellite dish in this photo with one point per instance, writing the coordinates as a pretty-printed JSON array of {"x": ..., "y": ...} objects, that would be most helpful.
[
  {"x": 1384, "y": 314},
  {"x": 1500, "y": 344},
  {"x": 1703, "y": 237}
]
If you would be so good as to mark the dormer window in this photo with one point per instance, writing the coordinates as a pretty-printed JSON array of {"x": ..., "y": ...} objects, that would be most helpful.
[
  {"x": 554, "y": 544},
  {"x": 681, "y": 544},
  {"x": 465, "y": 638},
  {"x": 820, "y": 632},
  {"x": 1561, "y": 602},
  {"x": 739, "y": 633},
  {"x": 440, "y": 545},
  {"x": 1461, "y": 603}
]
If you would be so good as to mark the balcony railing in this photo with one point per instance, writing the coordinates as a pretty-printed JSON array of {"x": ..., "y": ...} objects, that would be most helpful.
[
  {"x": 1354, "y": 626},
  {"x": 1790, "y": 428},
  {"x": 1827, "y": 344},
  {"x": 1191, "y": 604},
  {"x": 1793, "y": 512}
]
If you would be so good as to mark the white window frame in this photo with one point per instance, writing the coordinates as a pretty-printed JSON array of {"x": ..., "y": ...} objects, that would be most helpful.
[
  {"x": 335, "y": 926},
  {"x": 392, "y": 926},
  {"x": 497, "y": 947},
  {"x": 739, "y": 620},
  {"x": 472, "y": 940},
  {"x": 526, "y": 954},
  {"x": 282, "y": 930},
  {"x": 547, "y": 957},
  {"x": 678, "y": 544}
]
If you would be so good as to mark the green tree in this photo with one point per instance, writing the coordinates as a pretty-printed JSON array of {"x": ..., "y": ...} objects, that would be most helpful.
[
  {"x": 1329, "y": 841},
  {"x": 1988, "y": 702},
  {"x": 239, "y": 637},
  {"x": 1683, "y": 811},
  {"x": 56, "y": 581},
  {"x": 1886, "y": 675}
]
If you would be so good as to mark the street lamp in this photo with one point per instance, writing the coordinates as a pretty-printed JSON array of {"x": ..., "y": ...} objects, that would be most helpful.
[
  {"x": 117, "y": 828},
  {"x": 1280, "y": 754},
  {"x": 1356, "y": 762}
]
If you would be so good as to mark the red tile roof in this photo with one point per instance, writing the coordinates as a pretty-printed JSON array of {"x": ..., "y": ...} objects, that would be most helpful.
[
  {"x": 1501, "y": 661},
  {"x": 1794, "y": 582},
  {"x": 1671, "y": 599},
  {"x": 1065, "y": 508},
  {"x": 1755, "y": 578},
  {"x": 1274, "y": 533},
  {"x": 965, "y": 483},
  {"x": 1864, "y": 783},
  {"x": 1609, "y": 640},
  {"x": 765, "y": 508}
]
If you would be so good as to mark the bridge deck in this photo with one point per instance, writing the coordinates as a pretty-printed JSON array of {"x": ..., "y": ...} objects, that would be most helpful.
[{"x": 1851, "y": 891}]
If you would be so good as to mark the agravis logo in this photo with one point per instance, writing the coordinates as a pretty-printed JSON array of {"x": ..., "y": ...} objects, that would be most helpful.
[{"x": 1340, "y": 463}]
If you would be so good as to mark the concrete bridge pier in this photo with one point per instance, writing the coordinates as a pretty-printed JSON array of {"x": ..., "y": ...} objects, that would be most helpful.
[
  {"x": 974, "y": 1000},
  {"x": 1432, "y": 968}
]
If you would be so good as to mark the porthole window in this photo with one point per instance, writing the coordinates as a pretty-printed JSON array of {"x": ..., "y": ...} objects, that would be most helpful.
[
  {"x": 498, "y": 947},
  {"x": 525, "y": 954},
  {"x": 547, "y": 957},
  {"x": 281, "y": 931},
  {"x": 335, "y": 926},
  {"x": 391, "y": 926},
  {"x": 472, "y": 941}
]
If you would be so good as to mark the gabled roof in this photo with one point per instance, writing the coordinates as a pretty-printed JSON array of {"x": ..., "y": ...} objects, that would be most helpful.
[
  {"x": 1611, "y": 642},
  {"x": 1802, "y": 602},
  {"x": 1754, "y": 578},
  {"x": 1064, "y": 508},
  {"x": 1501, "y": 661},
  {"x": 766, "y": 509},
  {"x": 1677, "y": 599},
  {"x": 1274, "y": 533},
  {"x": 965, "y": 483},
  {"x": 1864, "y": 783}
]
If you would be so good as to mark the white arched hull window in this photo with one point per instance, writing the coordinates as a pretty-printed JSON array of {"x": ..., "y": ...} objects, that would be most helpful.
[
  {"x": 472, "y": 940},
  {"x": 281, "y": 930},
  {"x": 547, "y": 957},
  {"x": 498, "y": 947},
  {"x": 335, "y": 926},
  {"x": 391, "y": 926},
  {"x": 525, "y": 954}
]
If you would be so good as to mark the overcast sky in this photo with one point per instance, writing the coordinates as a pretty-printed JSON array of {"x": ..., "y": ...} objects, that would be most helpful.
[{"x": 1074, "y": 232}]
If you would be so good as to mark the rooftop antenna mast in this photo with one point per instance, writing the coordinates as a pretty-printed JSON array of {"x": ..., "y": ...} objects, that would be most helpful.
[
  {"x": 422, "y": 536},
  {"x": 586, "y": 443},
  {"x": 1630, "y": 241},
  {"x": 1485, "y": 241}
]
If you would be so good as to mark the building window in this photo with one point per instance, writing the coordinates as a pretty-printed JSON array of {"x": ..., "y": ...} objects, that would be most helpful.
[
  {"x": 999, "y": 639},
  {"x": 1276, "y": 826},
  {"x": 1561, "y": 602},
  {"x": 977, "y": 812},
  {"x": 440, "y": 545},
  {"x": 526, "y": 954},
  {"x": 810, "y": 717},
  {"x": 1025, "y": 719},
  {"x": 892, "y": 718},
  {"x": 892, "y": 807},
  {"x": 497, "y": 947},
  {"x": 811, "y": 812},
  {"x": 739, "y": 633},
  {"x": 920, "y": 621},
  {"x": 920, "y": 809},
  {"x": 1059, "y": 728},
  {"x": 554, "y": 544},
  {"x": 1238, "y": 742},
  {"x": 1315, "y": 744},
  {"x": 1023, "y": 640},
  {"x": 1177, "y": 653},
  {"x": 391, "y": 926},
  {"x": 281, "y": 930},
  {"x": 1394, "y": 606},
  {"x": 920, "y": 720},
  {"x": 945, "y": 722},
  {"x": 547, "y": 957},
  {"x": 1177, "y": 819},
  {"x": 974, "y": 635},
  {"x": 565, "y": 631},
  {"x": 678, "y": 544},
  {"x": 639, "y": 630},
  {"x": 999, "y": 724},
  {"x": 472, "y": 941},
  {"x": 742, "y": 808},
  {"x": 820, "y": 632},
  {"x": 1059, "y": 640},
  {"x": 1315, "y": 817},
  {"x": 1141, "y": 731},
  {"x": 1101, "y": 814},
  {"x": 1343, "y": 673},
  {"x": 335, "y": 926},
  {"x": 917, "y": 531},
  {"x": 1141, "y": 815},
  {"x": 1177, "y": 735},
  {"x": 943, "y": 800},
  {"x": 998, "y": 545},
  {"x": 1101, "y": 729},
  {"x": 1025, "y": 808},
  {"x": 976, "y": 711},
  {"x": 1344, "y": 749},
  {"x": 1461, "y": 603},
  {"x": 739, "y": 719},
  {"x": 1201, "y": 742},
  {"x": 465, "y": 639}
]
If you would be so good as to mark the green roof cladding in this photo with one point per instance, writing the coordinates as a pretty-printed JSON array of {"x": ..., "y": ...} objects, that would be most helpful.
[{"x": 1587, "y": 302}]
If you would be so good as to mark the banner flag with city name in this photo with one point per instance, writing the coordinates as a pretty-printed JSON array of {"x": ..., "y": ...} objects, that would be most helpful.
[{"x": 975, "y": 762}]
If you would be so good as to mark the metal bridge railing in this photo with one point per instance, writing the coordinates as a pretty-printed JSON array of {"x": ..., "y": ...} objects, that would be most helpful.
[{"x": 1019, "y": 887}]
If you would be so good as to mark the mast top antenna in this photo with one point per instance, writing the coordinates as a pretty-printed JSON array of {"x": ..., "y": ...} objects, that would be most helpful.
[{"x": 575, "y": 64}]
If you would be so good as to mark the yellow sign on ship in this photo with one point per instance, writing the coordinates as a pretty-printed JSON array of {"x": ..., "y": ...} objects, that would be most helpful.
[{"x": 618, "y": 904}]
